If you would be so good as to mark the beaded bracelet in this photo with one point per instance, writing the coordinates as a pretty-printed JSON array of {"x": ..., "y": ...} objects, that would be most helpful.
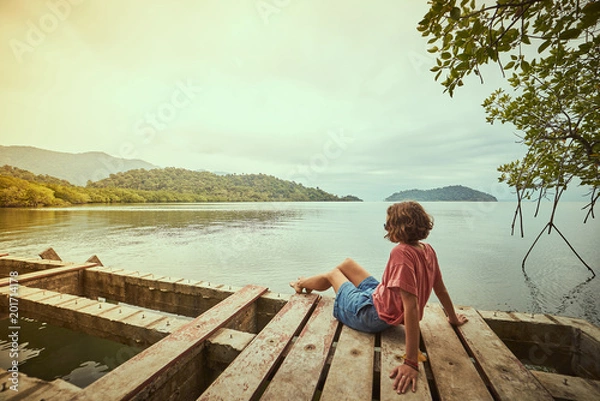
[{"x": 412, "y": 364}]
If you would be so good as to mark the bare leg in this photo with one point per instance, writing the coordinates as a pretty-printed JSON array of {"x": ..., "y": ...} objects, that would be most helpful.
[{"x": 348, "y": 270}]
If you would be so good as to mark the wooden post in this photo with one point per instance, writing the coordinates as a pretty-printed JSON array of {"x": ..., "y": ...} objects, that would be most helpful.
[
  {"x": 50, "y": 254},
  {"x": 94, "y": 259}
]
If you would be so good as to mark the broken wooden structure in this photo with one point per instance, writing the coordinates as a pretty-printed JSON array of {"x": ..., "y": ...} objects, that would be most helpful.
[{"x": 213, "y": 342}]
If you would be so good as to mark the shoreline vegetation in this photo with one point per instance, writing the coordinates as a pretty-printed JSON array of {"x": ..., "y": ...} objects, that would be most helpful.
[
  {"x": 22, "y": 188},
  {"x": 453, "y": 193}
]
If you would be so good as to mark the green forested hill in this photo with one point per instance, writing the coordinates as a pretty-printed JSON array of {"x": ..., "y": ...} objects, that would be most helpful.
[
  {"x": 21, "y": 188},
  {"x": 205, "y": 186},
  {"x": 453, "y": 193}
]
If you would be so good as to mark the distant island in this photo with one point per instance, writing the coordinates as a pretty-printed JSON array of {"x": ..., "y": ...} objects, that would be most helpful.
[
  {"x": 453, "y": 193},
  {"x": 22, "y": 188}
]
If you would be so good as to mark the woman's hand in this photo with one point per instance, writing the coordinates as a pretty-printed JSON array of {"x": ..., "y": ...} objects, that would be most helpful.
[
  {"x": 404, "y": 376},
  {"x": 459, "y": 320}
]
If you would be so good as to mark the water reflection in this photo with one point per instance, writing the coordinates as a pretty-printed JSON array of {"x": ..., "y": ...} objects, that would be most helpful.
[
  {"x": 118, "y": 232},
  {"x": 171, "y": 216}
]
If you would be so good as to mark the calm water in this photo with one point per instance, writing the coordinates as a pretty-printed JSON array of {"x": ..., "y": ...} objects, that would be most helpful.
[{"x": 272, "y": 243}]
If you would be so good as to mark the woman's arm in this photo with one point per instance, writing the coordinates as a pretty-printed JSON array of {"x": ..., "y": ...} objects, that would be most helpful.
[
  {"x": 405, "y": 375},
  {"x": 442, "y": 294}
]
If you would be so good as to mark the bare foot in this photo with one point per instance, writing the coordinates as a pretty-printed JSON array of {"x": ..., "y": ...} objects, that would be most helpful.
[{"x": 297, "y": 287}]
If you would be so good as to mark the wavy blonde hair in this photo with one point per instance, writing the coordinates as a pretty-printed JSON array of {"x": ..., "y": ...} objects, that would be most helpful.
[{"x": 407, "y": 222}]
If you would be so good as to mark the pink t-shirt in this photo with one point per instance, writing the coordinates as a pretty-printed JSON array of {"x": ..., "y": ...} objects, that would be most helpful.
[{"x": 412, "y": 270}]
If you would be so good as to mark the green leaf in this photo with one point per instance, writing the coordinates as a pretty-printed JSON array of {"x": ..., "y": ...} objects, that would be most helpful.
[
  {"x": 570, "y": 34},
  {"x": 463, "y": 57},
  {"x": 446, "y": 56},
  {"x": 544, "y": 46},
  {"x": 433, "y": 49},
  {"x": 585, "y": 47},
  {"x": 588, "y": 20},
  {"x": 455, "y": 13},
  {"x": 509, "y": 65},
  {"x": 447, "y": 39},
  {"x": 462, "y": 66},
  {"x": 592, "y": 7}
]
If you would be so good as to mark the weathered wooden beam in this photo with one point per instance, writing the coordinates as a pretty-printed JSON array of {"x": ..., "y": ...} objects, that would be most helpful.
[
  {"x": 506, "y": 376},
  {"x": 298, "y": 376},
  {"x": 570, "y": 388},
  {"x": 268, "y": 306},
  {"x": 542, "y": 340},
  {"x": 155, "y": 373},
  {"x": 224, "y": 346},
  {"x": 94, "y": 259},
  {"x": 120, "y": 323},
  {"x": 26, "y": 265},
  {"x": 585, "y": 361},
  {"x": 354, "y": 349},
  {"x": 62, "y": 279},
  {"x": 250, "y": 370},
  {"x": 30, "y": 388},
  {"x": 393, "y": 347},
  {"x": 168, "y": 294},
  {"x": 50, "y": 254},
  {"x": 46, "y": 273},
  {"x": 456, "y": 377}
]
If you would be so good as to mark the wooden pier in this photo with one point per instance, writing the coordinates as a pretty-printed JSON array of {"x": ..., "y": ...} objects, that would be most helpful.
[{"x": 204, "y": 341}]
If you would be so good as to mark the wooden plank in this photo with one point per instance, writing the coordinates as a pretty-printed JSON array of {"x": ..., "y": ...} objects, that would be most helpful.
[
  {"x": 24, "y": 385},
  {"x": 250, "y": 369},
  {"x": 569, "y": 387},
  {"x": 124, "y": 324},
  {"x": 506, "y": 375},
  {"x": 586, "y": 340},
  {"x": 393, "y": 347},
  {"x": 515, "y": 317},
  {"x": 33, "y": 293},
  {"x": 146, "y": 368},
  {"x": 56, "y": 390},
  {"x": 31, "y": 388},
  {"x": 224, "y": 346},
  {"x": 94, "y": 259},
  {"x": 168, "y": 294},
  {"x": 24, "y": 278},
  {"x": 298, "y": 376},
  {"x": 354, "y": 353},
  {"x": 531, "y": 317},
  {"x": 455, "y": 375},
  {"x": 592, "y": 330},
  {"x": 50, "y": 254}
]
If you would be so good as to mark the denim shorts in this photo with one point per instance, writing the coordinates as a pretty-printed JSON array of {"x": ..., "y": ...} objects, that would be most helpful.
[{"x": 354, "y": 307}]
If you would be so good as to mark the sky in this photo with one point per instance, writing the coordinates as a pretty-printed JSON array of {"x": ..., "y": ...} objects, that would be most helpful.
[{"x": 336, "y": 95}]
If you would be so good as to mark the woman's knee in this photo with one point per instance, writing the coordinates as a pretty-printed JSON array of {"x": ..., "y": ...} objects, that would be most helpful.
[
  {"x": 349, "y": 266},
  {"x": 336, "y": 278},
  {"x": 346, "y": 263},
  {"x": 352, "y": 271}
]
